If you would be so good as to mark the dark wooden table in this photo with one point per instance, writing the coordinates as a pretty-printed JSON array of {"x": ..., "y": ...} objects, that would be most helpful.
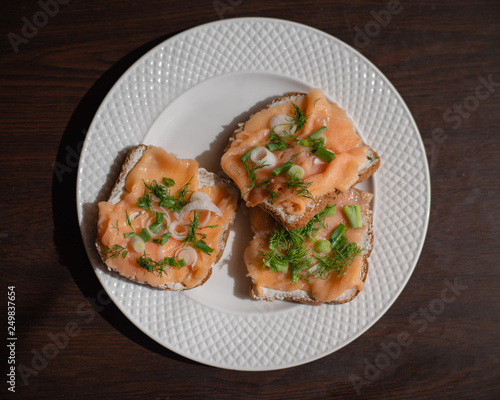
[{"x": 443, "y": 58}]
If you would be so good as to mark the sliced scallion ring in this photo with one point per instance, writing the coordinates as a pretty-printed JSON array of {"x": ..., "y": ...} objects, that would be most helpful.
[
  {"x": 322, "y": 246},
  {"x": 245, "y": 157},
  {"x": 188, "y": 254},
  {"x": 138, "y": 244},
  {"x": 177, "y": 230},
  {"x": 296, "y": 172},
  {"x": 261, "y": 156}
]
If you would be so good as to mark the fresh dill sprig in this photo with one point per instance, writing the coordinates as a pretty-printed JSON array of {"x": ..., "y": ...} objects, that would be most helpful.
[
  {"x": 297, "y": 121},
  {"x": 195, "y": 237},
  {"x": 115, "y": 250},
  {"x": 300, "y": 186},
  {"x": 157, "y": 189},
  {"x": 182, "y": 196},
  {"x": 158, "y": 267},
  {"x": 338, "y": 261},
  {"x": 317, "y": 222},
  {"x": 129, "y": 222},
  {"x": 288, "y": 250},
  {"x": 194, "y": 229},
  {"x": 252, "y": 175},
  {"x": 116, "y": 226},
  {"x": 262, "y": 185},
  {"x": 315, "y": 143},
  {"x": 145, "y": 202},
  {"x": 299, "y": 118},
  {"x": 250, "y": 169},
  {"x": 162, "y": 192},
  {"x": 275, "y": 142}
]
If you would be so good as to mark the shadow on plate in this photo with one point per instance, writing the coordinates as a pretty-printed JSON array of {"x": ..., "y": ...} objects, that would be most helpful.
[
  {"x": 234, "y": 261},
  {"x": 218, "y": 145},
  {"x": 67, "y": 236}
]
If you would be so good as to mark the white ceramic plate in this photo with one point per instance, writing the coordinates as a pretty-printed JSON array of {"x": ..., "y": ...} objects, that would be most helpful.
[{"x": 186, "y": 95}]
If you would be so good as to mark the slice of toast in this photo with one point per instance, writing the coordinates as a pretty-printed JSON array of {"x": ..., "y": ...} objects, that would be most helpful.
[
  {"x": 243, "y": 139},
  {"x": 222, "y": 192},
  {"x": 270, "y": 285}
]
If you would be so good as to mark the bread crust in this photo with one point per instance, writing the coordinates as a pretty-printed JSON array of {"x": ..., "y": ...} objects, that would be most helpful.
[
  {"x": 118, "y": 191},
  {"x": 289, "y": 221},
  {"x": 301, "y": 296}
]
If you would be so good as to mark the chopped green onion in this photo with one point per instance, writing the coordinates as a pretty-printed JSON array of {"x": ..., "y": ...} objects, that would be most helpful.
[
  {"x": 322, "y": 246},
  {"x": 164, "y": 239},
  {"x": 203, "y": 246},
  {"x": 155, "y": 228},
  {"x": 296, "y": 172},
  {"x": 280, "y": 266},
  {"x": 325, "y": 154},
  {"x": 167, "y": 202},
  {"x": 318, "y": 132},
  {"x": 168, "y": 182},
  {"x": 129, "y": 234},
  {"x": 138, "y": 244},
  {"x": 285, "y": 167},
  {"x": 353, "y": 214},
  {"x": 305, "y": 142},
  {"x": 275, "y": 146},
  {"x": 336, "y": 235},
  {"x": 144, "y": 234},
  {"x": 144, "y": 203},
  {"x": 245, "y": 157},
  {"x": 330, "y": 211},
  {"x": 276, "y": 142},
  {"x": 158, "y": 224},
  {"x": 181, "y": 263},
  {"x": 341, "y": 242}
]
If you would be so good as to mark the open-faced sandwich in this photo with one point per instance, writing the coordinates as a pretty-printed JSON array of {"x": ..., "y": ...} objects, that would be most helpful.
[
  {"x": 296, "y": 155},
  {"x": 325, "y": 261},
  {"x": 166, "y": 220}
]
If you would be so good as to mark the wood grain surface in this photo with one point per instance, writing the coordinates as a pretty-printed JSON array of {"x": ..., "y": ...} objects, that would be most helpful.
[{"x": 436, "y": 53}]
